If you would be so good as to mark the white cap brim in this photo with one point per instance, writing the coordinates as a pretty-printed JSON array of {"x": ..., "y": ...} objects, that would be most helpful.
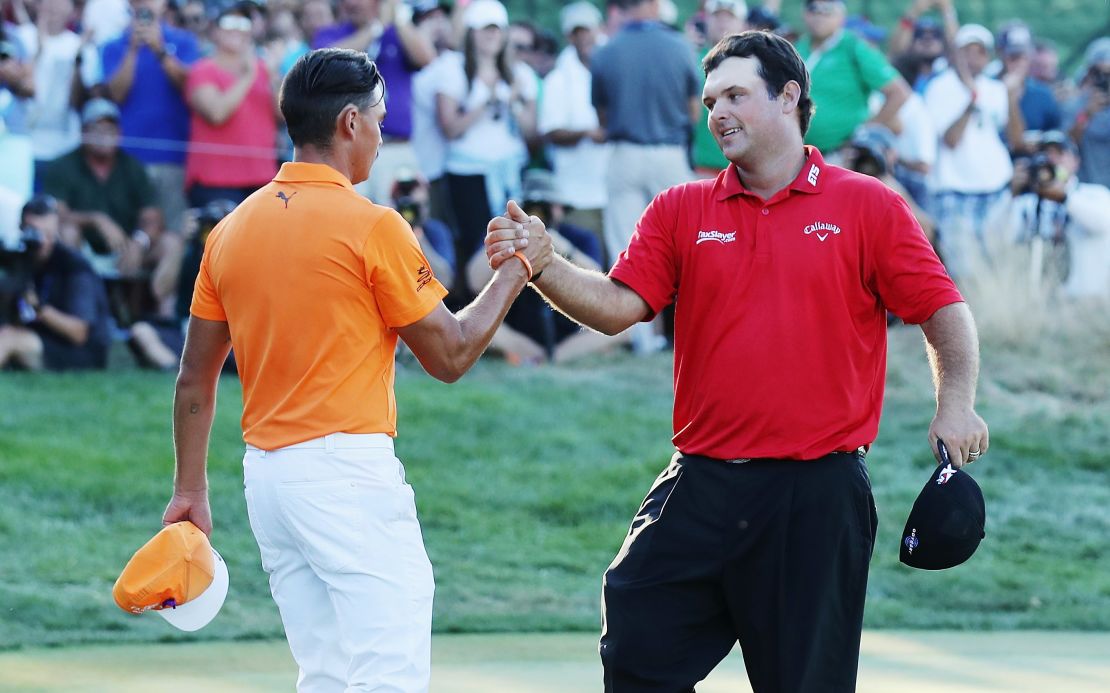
[{"x": 197, "y": 613}]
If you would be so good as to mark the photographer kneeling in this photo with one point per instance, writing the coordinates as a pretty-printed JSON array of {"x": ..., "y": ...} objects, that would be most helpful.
[
  {"x": 1050, "y": 205},
  {"x": 53, "y": 307}
]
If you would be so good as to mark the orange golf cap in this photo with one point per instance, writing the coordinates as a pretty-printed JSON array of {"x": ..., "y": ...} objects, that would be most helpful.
[{"x": 178, "y": 574}]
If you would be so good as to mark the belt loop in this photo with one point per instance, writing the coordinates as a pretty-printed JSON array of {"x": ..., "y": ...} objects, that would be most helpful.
[{"x": 329, "y": 443}]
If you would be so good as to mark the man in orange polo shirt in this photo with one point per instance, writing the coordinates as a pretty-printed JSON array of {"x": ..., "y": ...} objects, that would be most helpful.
[{"x": 312, "y": 285}]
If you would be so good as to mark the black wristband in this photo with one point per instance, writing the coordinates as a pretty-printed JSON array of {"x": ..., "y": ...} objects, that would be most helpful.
[{"x": 535, "y": 277}]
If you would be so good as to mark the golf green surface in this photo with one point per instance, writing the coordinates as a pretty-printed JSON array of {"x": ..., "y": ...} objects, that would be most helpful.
[{"x": 898, "y": 661}]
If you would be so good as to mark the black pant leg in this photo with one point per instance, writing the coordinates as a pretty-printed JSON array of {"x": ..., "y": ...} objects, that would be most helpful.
[
  {"x": 472, "y": 212},
  {"x": 665, "y": 621},
  {"x": 797, "y": 596}
]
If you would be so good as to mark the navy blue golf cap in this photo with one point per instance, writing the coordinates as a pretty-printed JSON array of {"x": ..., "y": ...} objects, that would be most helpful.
[{"x": 946, "y": 523}]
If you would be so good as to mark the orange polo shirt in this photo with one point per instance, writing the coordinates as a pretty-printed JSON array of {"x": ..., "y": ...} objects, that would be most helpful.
[{"x": 312, "y": 279}]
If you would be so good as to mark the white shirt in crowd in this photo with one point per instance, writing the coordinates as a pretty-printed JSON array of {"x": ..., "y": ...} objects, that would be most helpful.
[
  {"x": 107, "y": 19},
  {"x": 980, "y": 163},
  {"x": 495, "y": 137},
  {"x": 428, "y": 142},
  {"x": 53, "y": 123},
  {"x": 918, "y": 141},
  {"x": 580, "y": 169},
  {"x": 1088, "y": 238}
]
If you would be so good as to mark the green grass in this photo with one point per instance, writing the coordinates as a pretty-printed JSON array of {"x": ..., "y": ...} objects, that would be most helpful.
[{"x": 526, "y": 480}]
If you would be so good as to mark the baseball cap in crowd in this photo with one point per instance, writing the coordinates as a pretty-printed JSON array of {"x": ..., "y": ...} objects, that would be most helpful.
[
  {"x": 974, "y": 33},
  {"x": 579, "y": 15},
  {"x": 178, "y": 574},
  {"x": 946, "y": 523},
  {"x": 1015, "y": 38},
  {"x": 759, "y": 17},
  {"x": 1097, "y": 53},
  {"x": 1056, "y": 138},
  {"x": 737, "y": 7},
  {"x": 482, "y": 13},
  {"x": 99, "y": 109}
]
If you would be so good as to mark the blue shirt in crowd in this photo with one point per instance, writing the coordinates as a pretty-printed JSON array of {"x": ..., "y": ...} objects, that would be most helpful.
[{"x": 154, "y": 108}]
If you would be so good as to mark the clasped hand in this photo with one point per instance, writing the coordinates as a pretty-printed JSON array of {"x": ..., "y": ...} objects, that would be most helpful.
[{"x": 515, "y": 232}]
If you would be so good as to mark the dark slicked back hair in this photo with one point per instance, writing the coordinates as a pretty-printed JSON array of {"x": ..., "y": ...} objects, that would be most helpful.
[
  {"x": 779, "y": 63},
  {"x": 321, "y": 84}
]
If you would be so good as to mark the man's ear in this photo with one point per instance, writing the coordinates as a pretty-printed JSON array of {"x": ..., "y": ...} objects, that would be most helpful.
[
  {"x": 346, "y": 123},
  {"x": 791, "y": 94}
]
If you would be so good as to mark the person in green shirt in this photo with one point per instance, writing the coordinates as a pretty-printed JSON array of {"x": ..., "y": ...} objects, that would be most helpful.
[
  {"x": 722, "y": 18},
  {"x": 844, "y": 71}
]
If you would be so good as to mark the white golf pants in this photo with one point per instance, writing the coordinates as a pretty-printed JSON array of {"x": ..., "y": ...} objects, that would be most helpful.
[{"x": 336, "y": 526}]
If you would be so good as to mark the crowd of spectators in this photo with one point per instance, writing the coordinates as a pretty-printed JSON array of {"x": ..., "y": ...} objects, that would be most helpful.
[{"x": 127, "y": 127}]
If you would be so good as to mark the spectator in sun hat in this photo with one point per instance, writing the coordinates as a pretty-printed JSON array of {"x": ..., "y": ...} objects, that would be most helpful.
[{"x": 569, "y": 123}]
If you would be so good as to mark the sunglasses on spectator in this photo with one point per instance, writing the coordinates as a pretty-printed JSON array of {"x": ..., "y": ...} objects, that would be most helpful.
[
  {"x": 824, "y": 6},
  {"x": 235, "y": 22}
]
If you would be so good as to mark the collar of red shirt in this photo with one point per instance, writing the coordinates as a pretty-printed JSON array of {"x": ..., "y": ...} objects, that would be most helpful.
[
  {"x": 300, "y": 172},
  {"x": 809, "y": 179}
]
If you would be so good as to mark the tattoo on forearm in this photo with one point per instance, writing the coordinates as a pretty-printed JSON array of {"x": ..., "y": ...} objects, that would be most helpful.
[{"x": 194, "y": 408}]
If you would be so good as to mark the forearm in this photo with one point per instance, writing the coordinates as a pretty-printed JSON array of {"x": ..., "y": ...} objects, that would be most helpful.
[
  {"x": 477, "y": 322},
  {"x": 194, "y": 407},
  {"x": 590, "y": 297},
  {"x": 73, "y": 329},
  {"x": 1015, "y": 124},
  {"x": 456, "y": 124},
  {"x": 895, "y": 97},
  {"x": 566, "y": 138},
  {"x": 119, "y": 85},
  {"x": 418, "y": 48},
  {"x": 955, "y": 132},
  {"x": 176, "y": 71},
  {"x": 952, "y": 346},
  {"x": 217, "y": 107}
]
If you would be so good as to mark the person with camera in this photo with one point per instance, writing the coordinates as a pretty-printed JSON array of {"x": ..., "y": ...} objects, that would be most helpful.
[
  {"x": 55, "y": 310},
  {"x": 145, "y": 70},
  {"x": 1089, "y": 115},
  {"x": 1053, "y": 211}
]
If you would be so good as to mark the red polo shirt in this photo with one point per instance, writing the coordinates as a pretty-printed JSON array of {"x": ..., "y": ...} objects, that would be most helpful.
[{"x": 780, "y": 306}]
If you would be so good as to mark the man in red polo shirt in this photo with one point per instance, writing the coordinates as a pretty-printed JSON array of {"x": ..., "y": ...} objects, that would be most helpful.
[{"x": 781, "y": 270}]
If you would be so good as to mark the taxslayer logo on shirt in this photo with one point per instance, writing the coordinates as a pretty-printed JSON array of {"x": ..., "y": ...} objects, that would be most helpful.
[
  {"x": 716, "y": 237},
  {"x": 822, "y": 230}
]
